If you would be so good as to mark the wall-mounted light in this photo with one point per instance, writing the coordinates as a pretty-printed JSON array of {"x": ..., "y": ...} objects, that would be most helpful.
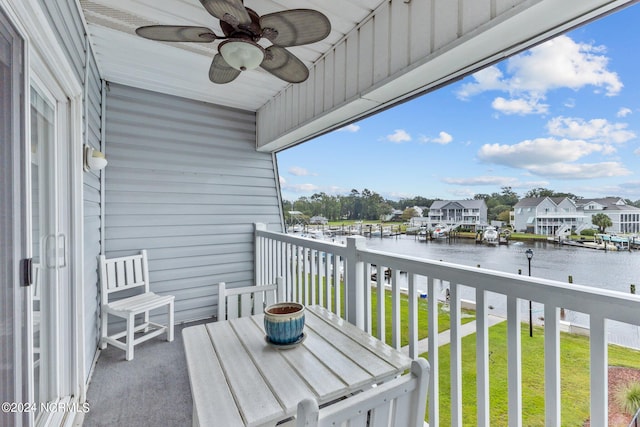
[{"x": 93, "y": 159}]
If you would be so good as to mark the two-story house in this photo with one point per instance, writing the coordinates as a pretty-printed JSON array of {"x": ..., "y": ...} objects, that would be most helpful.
[
  {"x": 625, "y": 218},
  {"x": 547, "y": 215},
  {"x": 463, "y": 213}
]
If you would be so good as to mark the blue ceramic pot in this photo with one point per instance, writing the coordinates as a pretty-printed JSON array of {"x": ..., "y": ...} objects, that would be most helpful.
[{"x": 284, "y": 322}]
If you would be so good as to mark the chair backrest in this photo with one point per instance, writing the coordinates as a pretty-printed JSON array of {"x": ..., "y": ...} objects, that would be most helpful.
[
  {"x": 400, "y": 402},
  {"x": 247, "y": 300},
  {"x": 119, "y": 274}
]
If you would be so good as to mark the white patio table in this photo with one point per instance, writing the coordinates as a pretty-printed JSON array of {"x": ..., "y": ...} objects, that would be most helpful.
[{"x": 238, "y": 379}]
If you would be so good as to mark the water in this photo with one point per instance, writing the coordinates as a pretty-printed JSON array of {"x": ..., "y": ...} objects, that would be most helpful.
[{"x": 600, "y": 269}]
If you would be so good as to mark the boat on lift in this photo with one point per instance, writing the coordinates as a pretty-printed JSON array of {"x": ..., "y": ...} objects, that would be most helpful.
[{"x": 490, "y": 235}]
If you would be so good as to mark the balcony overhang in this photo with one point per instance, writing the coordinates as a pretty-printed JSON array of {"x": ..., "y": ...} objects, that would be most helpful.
[
  {"x": 379, "y": 53},
  {"x": 473, "y": 44}
]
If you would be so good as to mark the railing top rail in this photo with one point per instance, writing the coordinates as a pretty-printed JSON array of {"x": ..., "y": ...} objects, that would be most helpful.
[
  {"x": 606, "y": 303},
  {"x": 610, "y": 304},
  {"x": 319, "y": 245}
]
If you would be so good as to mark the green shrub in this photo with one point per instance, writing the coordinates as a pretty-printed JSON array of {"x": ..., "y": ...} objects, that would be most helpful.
[
  {"x": 588, "y": 232},
  {"x": 628, "y": 397}
]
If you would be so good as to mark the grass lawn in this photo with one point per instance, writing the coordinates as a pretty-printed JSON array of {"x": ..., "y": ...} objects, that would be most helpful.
[
  {"x": 574, "y": 368},
  {"x": 423, "y": 316}
]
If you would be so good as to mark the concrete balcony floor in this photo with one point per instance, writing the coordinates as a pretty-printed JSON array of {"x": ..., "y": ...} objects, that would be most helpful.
[{"x": 151, "y": 390}]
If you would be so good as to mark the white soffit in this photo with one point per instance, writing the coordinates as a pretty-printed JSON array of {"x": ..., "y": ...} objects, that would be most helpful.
[
  {"x": 182, "y": 68},
  {"x": 512, "y": 32}
]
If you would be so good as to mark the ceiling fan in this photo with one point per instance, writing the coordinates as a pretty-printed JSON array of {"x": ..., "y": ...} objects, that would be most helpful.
[{"x": 243, "y": 28}]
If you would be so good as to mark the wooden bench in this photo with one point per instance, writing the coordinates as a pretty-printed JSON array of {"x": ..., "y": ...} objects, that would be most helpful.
[{"x": 119, "y": 275}]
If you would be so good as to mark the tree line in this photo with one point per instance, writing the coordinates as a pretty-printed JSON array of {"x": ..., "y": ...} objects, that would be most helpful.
[{"x": 370, "y": 205}]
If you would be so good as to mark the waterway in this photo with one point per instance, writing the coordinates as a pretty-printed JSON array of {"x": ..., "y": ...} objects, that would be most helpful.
[{"x": 589, "y": 267}]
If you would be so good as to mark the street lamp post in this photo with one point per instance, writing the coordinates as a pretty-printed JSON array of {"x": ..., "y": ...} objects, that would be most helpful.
[{"x": 529, "y": 254}]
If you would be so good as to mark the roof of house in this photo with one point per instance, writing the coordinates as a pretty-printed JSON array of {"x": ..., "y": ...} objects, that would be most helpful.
[
  {"x": 469, "y": 204},
  {"x": 608, "y": 203}
]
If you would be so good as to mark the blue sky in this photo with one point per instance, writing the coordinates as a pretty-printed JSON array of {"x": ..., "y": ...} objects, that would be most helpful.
[{"x": 563, "y": 116}]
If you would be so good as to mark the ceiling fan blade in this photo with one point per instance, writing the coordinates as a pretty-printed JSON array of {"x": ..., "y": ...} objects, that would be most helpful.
[
  {"x": 284, "y": 65},
  {"x": 295, "y": 27},
  {"x": 230, "y": 11},
  {"x": 176, "y": 33},
  {"x": 220, "y": 72}
]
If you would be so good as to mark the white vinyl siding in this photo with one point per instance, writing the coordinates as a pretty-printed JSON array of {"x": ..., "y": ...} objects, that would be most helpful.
[
  {"x": 185, "y": 182},
  {"x": 92, "y": 215}
]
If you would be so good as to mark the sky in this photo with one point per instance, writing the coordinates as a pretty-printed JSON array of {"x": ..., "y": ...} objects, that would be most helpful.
[{"x": 564, "y": 115}]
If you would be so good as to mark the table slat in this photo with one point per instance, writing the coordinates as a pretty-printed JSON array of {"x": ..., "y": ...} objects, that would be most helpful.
[
  {"x": 285, "y": 383},
  {"x": 204, "y": 375},
  {"x": 254, "y": 398}
]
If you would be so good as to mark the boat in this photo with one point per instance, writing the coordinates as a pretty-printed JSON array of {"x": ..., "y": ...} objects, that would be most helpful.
[
  {"x": 440, "y": 231},
  {"x": 490, "y": 235}
]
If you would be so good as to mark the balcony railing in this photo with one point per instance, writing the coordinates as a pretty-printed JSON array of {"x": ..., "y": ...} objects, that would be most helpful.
[{"x": 338, "y": 277}]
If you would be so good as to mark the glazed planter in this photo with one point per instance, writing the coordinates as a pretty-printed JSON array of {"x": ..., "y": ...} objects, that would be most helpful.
[{"x": 284, "y": 322}]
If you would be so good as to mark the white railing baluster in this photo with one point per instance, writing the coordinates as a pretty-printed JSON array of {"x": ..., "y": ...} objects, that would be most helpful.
[
  {"x": 337, "y": 280},
  {"x": 300, "y": 252},
  {"x": 319, "y": 271},
  {"x": 395, "y": 309},
  {"x": 314, "y": 275},
  {"x": 367, "y": 297},
  {"x": 482, "y": 357},
  {"x": 380, "y": 309},
  {"x": 413, "y": 317},
  {"x": 456, "y": 356},
  {"x": 552, "y": 365},
  {"x": 514, "y": 365},
  {"x": 599, "y": 370},
  {"x": 434, "y": 389},
  {"x": 307, "y": 271}
]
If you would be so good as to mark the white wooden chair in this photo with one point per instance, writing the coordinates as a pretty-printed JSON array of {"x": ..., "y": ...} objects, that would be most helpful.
[
  {"x": 400, "y": 402},
  {"x": 122, "y": 275},
  {"x": 247, "y": 300}
]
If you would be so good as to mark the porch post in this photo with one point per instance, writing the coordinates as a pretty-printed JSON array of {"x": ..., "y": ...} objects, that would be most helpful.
[
  {"x": 258, "y": 256},
  {"x": 354, "y": 282}
]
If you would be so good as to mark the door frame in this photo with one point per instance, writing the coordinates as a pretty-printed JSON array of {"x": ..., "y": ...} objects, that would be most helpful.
[{"x": 32, "y": 24}]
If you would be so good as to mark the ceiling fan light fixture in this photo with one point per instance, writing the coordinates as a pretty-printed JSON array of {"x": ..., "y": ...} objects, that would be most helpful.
[{"x": 242, "y": 54}]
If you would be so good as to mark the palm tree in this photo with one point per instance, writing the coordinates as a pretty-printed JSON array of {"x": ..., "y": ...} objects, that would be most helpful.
[{"x": 602, "y": 221}]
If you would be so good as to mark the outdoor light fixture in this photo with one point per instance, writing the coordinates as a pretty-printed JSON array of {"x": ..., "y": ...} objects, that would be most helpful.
[
  {"x": 529, "y": 254},
  {"x": 241, "y": 54},
  {"x": 93, "y": 159}
]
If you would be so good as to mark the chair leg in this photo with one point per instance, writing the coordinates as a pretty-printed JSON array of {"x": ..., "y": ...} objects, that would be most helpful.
[
  {"x": 170, "y": 325},
  {"x": 103, "y": 329},
  {"x": 130, "y": 327},
  {"x": 146, "y": 321}
]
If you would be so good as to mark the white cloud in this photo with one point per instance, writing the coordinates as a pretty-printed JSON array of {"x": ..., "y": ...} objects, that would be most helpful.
[
  {"x": 399, "y": 136},
  {"x": 623, "y": 112},
  {"x": 595, "y": 130},
  {"x": 490, "y": 78},
  {"x": 581, "y": 171},
  {"x": 350, "y": 128},
  {"x": 298, "y": 171},
  {"x": 483, "y": 180},
  {"x": 551, "y": 157},
  {"x": 529, "y": 153},
  {"x": 558, "y": 63},
  {"x": 520, "y": 106},
  {"x": 443, "y": 138},
  {"x": 301, "y": 188}
]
